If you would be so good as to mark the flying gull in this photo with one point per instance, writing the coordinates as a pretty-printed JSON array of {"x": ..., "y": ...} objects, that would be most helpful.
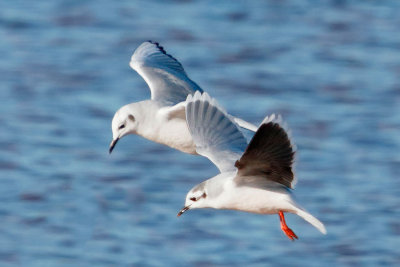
[
  {"x": 255, "y": 177},
  {"x": 162, "y": 118}
]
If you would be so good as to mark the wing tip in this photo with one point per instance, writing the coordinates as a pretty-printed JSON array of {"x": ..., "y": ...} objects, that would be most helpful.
[
  {"x": 277, "y": 118},
  {"x": 161, "y": 48},
  {"x": 142, "y": 50},
  {"x": 275, "y": 124}
]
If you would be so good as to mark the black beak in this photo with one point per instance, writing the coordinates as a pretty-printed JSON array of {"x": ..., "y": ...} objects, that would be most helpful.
[
  {"x": 112, "y": 145},
  {"x": 182, "y": 211}
]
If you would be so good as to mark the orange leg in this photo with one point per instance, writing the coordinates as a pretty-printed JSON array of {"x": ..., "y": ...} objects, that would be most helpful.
[{"x": 285, "y": 228}]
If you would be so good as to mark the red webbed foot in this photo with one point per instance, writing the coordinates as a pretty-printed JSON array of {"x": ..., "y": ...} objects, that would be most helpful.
[{"x": 290, "y": 234}]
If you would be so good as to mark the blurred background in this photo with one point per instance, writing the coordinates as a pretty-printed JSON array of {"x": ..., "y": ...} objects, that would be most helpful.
[{"x": 331, "y": 68}]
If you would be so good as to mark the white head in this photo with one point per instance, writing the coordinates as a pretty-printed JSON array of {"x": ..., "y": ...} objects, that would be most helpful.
[
  {"x": 196, "y": 198},
  {"x": 207, "y": 194},
  {"x": 124, "y": 123}
]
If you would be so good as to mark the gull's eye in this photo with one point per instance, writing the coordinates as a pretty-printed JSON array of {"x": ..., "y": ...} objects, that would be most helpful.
[
  {"x": 121, "y": 127},
  {"x": 193, "y": 199}
]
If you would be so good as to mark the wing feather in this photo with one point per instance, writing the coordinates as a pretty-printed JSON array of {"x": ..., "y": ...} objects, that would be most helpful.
[
  {"x": 216, "y": 136},
  {"x": 165, "y": 76},
  {"x": 270, "y": 155}
]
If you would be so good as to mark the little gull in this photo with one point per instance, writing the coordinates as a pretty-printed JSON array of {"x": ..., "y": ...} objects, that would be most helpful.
[
  {"x": 254, "y": 177},
  {"x": 162, "y": 118}
]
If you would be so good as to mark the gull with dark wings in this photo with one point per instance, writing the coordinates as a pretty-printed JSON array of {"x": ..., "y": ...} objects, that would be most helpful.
[{"x": 255, "y": 177}]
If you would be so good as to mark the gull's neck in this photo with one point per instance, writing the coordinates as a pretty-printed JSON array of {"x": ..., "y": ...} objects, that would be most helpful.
[{"x": 146, "y": 118}]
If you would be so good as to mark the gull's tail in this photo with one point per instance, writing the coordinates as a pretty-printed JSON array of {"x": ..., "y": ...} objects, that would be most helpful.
[{"x": 311, "y": 219}]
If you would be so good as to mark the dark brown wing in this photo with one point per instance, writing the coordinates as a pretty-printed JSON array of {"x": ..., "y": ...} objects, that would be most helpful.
[{"x": 269, "y": 154}]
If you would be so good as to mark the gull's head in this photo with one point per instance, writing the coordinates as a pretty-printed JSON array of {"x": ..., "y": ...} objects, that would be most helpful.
[
  {"x": 196, "y": 198},
  {"x": 123, "y": 123}
]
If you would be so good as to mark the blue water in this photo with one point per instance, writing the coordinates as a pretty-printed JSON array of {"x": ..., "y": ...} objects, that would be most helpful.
[{"x": 331, "y": 68}]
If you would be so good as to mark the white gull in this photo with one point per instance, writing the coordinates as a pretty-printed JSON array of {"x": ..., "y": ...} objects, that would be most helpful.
[
  {"x": 162, "y": 118},
  {"x": 255, "y": 177}
]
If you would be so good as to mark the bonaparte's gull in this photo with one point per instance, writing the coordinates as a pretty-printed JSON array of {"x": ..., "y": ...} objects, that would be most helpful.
[
  {"x": 257, "y": 180},
  {"x": 161, "y": 118}
]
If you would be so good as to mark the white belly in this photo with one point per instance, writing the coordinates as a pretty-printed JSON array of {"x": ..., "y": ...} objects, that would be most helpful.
[
  {"x": 175, "y": 134},
  {"x": 257, "y": 200}
]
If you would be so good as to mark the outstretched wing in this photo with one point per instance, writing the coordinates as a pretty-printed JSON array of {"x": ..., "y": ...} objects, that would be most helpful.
[
  {"x": 216, "y": 136},
  {"x": 244, "y": 124},
  {"x": 164, "y": 75},
  {"x": 269, "y": 155}
]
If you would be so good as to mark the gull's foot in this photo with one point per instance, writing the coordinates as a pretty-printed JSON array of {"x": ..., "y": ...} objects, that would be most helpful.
[{"x": 290, "y": 234}]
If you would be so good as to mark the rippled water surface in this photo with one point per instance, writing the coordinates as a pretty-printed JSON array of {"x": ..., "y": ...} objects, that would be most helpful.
[{"x": 331, "y": 68}]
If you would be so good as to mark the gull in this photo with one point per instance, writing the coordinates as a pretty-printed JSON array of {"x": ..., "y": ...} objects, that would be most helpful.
[
  {"x": 162, "y": 118},
  {"x": 255, "y": 177}
]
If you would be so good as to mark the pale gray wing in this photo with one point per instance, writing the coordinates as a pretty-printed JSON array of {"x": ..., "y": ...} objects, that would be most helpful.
[
  {"x": 164, "y": 75},
  {"x": 215, "y": 135},
  {"x": 269, "y": 155},
  {"x": 244, "y": 124}
]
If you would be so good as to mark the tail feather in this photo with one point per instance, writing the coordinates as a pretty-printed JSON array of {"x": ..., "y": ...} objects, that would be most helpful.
[{"x": 312, "y": 220}]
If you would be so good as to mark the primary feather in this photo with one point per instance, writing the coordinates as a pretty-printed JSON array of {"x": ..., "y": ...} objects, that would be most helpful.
[
  {"x": 216, "y": 136},
  {"x": 268, "y": 155}
]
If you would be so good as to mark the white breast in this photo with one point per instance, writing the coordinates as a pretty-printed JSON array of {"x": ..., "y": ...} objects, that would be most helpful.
[
  {"x": 157, "y": 126},
  {"x": 175, "y": 133}
]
